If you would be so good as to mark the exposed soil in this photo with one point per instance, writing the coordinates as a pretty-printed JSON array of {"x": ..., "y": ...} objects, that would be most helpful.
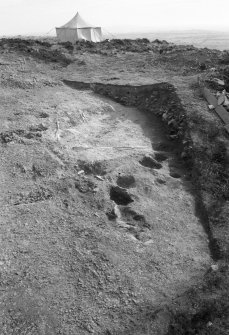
[{"x": 101, "y": 225}]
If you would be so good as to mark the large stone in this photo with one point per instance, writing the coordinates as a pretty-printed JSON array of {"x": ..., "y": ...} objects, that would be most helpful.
[{"x": 150, "y": 162}]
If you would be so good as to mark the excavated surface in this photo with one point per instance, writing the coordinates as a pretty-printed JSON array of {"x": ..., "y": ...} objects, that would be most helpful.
[{"x": 81, "y": 253}]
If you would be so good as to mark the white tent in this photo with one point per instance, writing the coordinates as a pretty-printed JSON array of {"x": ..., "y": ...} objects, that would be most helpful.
[{"x": 77, "y": 29}]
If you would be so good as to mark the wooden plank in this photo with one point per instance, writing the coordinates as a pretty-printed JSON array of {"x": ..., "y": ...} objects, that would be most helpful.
[
  {"x": 211, "y": 99},
  {"x": 223, "y": 114},
  {"x": 227, "y": 128},
  {"x": 220, "y": 110}
]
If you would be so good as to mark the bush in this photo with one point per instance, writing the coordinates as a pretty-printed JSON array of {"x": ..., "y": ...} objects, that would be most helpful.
[{"x": 67, "y": 45}]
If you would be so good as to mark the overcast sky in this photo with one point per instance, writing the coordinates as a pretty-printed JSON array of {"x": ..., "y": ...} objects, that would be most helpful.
[{"x": 40, "y": 16}]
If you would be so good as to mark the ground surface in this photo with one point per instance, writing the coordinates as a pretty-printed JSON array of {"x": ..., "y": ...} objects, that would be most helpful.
[{"x": 78, "y": 254}]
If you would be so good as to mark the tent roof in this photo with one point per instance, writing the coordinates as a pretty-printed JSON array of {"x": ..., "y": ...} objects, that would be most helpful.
[{"x": 76, "y": 22}]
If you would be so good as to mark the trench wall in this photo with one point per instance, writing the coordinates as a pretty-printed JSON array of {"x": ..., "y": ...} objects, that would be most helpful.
[{"x": 158, "y": 99}]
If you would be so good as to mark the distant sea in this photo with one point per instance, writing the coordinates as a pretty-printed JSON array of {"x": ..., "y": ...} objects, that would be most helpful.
[{"x": 198, "y": 38}]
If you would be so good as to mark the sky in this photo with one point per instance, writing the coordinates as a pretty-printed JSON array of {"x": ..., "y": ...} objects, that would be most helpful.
[{"x": 24, "y": 17}]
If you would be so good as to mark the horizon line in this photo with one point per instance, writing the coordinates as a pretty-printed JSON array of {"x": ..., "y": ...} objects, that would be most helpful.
[{"x": 141, "y": 30}]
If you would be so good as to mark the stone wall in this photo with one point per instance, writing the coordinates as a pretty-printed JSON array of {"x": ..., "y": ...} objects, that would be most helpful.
[{"x": 159, "y": 99}]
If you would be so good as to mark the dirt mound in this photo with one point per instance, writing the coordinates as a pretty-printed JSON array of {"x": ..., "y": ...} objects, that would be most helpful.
[{"x": 37, "y": 49}]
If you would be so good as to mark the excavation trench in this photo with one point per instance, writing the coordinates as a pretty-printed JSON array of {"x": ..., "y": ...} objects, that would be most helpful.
[
  {"x": 137, "y": 140},
  {"x": 100, "y": 229},
  {"x": 121, "y": 236},
  {"x": 169, "y": 137}
]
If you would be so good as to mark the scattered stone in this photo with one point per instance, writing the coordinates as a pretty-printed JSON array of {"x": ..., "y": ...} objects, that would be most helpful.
[
  {"x": 175, "y": 174},
  {"x": 120, "y": 196},
  {"x": 209, "y": 324},
  {"x": 173, "y": 123},
  {"x": 143, "y": 236},
  {"x": 99, "y": 178},
  {"x": 65, "y": 202},
  {"x": 111, "y": 215},
  {"x": 150, "y": 162},
  {"x": 173, "y": 137},
  {"x": 164, "y": 116},
  {"x": 202, "y": 66},
  {"x": 160, "y": 157},
  {"x": 97, "y": 168},
  {"x": 133, "y": 218},
  {"x": 84, "y": 185},
  {"x": 126, "y": 181},
  {"x": 43, "y": 115},
  {"x": 214, "y": 267},
  {"x": 114, "y": 213},
  {"x": 80, "y": 172},
  {"x": 161, "y": 181},
  {"x": 117, "y": 212},
  {"x": 38, "y": 128},
  {"x": 219, "y": 81}
]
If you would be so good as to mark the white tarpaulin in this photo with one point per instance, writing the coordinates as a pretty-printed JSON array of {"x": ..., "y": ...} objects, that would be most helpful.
[{"x": 77, "y": 29}]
